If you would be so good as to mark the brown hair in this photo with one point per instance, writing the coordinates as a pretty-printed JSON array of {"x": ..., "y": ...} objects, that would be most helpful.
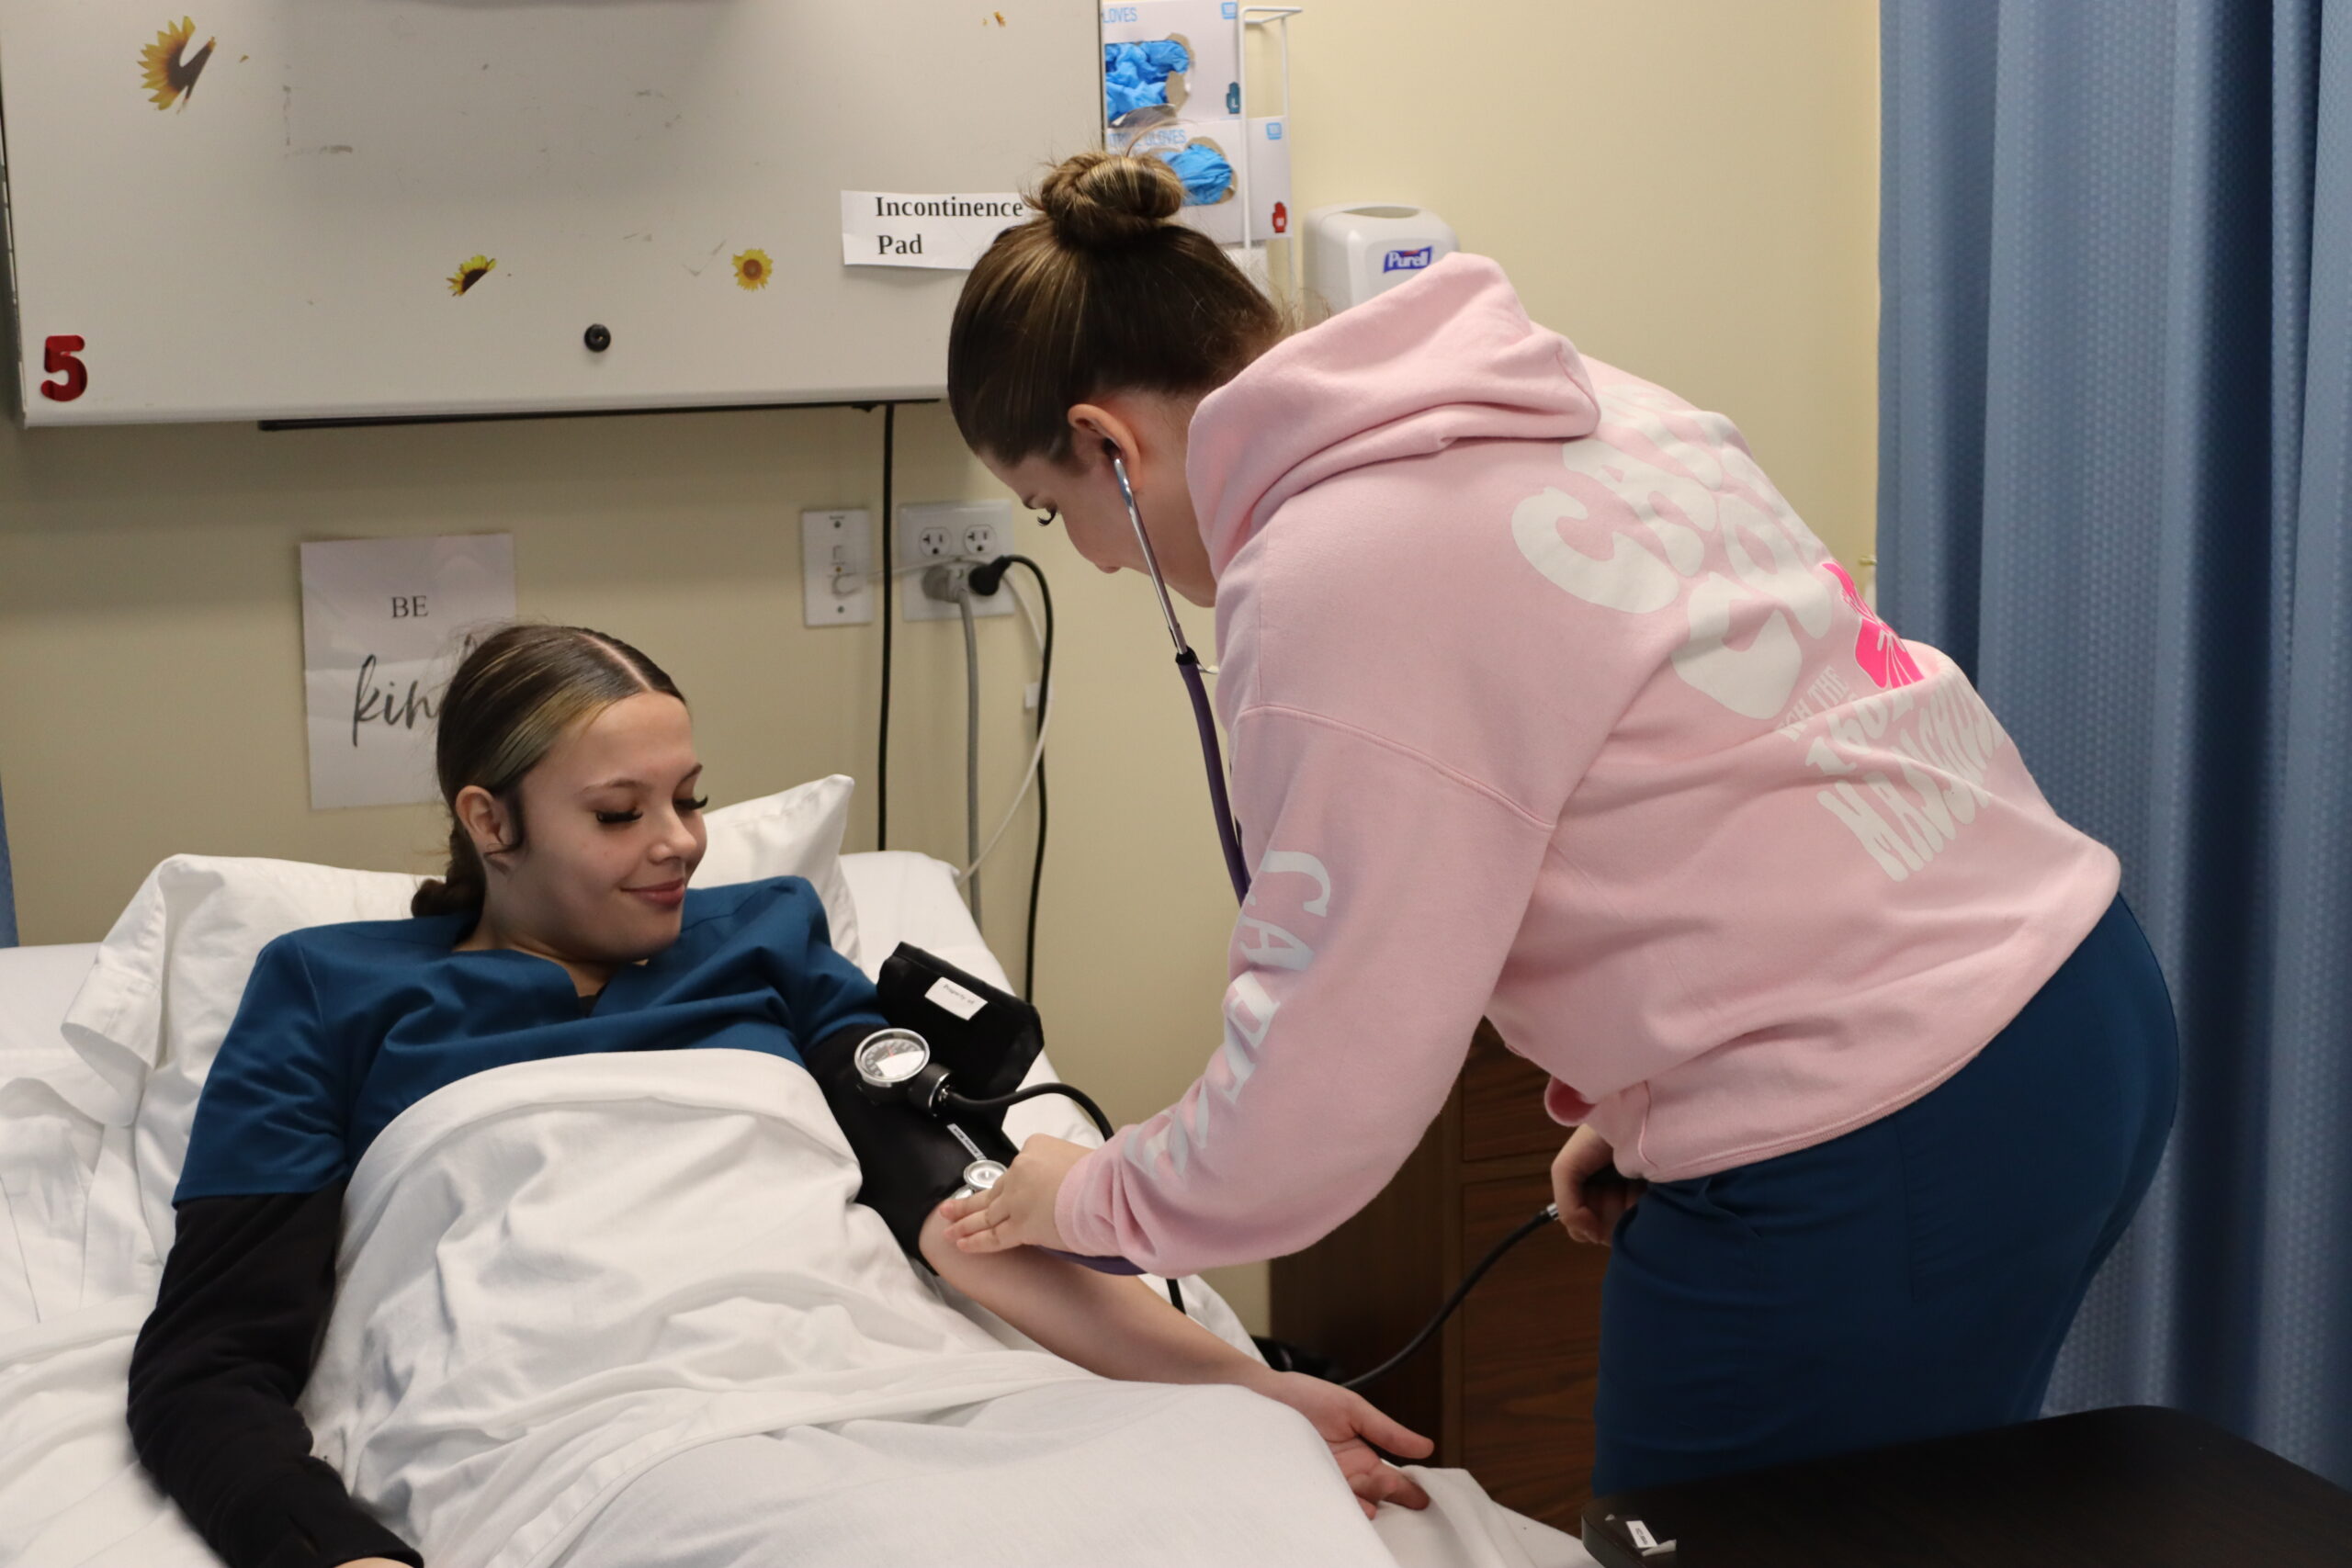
[
  {"x": 512, "y": 699},
  {"x": 1102, "y": 291}
]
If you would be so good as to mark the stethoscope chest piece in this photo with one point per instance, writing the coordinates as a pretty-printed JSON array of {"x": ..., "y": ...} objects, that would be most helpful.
[{"x": 979, "y": 1177}]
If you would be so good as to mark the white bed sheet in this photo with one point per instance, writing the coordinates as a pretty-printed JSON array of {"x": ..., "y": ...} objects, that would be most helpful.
[
  {"x": 67, "y": 1239},
  {"x": 77, "y": 1270}
]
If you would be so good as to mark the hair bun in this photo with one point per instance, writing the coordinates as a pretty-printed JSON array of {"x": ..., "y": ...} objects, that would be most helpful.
[{"x": 1099, "y": 199}]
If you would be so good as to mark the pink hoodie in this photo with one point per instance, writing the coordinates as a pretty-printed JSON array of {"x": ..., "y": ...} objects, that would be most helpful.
[{"x": 1545, "y": 706}]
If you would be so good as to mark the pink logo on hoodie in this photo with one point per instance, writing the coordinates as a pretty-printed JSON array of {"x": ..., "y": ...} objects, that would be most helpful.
[{"x": 1877, "y": 650}]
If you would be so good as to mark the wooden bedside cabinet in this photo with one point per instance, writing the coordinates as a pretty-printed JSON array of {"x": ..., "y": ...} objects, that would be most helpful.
[{"x": 1506, "y": 1390}]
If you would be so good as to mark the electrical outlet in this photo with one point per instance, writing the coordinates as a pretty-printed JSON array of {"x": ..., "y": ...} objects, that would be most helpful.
[
  {"x": 837, "y": 568},
  {"x": 957, "y": 535}
]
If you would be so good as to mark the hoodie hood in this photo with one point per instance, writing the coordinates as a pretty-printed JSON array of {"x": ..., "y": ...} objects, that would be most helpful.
[{"x": 1448, "y": 356}]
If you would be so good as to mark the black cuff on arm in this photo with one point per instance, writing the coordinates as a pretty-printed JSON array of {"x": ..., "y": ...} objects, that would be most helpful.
[
  {"x": 907, "y": 1163},
  {"x": 217, "y": 1370}
]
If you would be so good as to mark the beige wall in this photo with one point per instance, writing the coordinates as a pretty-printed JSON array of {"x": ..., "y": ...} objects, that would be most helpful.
[{"x": 1687, "y": 190}]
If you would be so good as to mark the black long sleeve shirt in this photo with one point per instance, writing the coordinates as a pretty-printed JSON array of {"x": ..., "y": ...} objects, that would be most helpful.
[{"x": 217, "y": 1370}]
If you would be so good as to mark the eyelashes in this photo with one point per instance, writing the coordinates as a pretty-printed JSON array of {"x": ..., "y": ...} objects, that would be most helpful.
[
  {"x": 623, "y": 818},
  {"x": 1048, "y": 518}
]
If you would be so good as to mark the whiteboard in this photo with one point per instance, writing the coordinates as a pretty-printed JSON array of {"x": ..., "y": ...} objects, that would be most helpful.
[{"x": 288, "y": 237}]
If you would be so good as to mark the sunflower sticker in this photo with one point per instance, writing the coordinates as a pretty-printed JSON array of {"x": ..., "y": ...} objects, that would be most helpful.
[
  {"x": 753, "y": 269},
  {"x": 166, "y": 69},
  {"x": 471, "y": 272}
]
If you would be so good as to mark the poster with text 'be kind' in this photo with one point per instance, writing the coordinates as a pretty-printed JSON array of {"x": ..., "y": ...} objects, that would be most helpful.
[{"x": 384, "y": 624}]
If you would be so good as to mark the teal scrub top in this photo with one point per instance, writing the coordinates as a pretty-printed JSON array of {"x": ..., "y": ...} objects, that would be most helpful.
[{"x": 344, "y": 1027}]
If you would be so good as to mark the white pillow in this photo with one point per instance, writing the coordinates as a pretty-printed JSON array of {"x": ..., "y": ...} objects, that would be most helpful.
[
  {"x": 37, "y": 985},
  {"x": 168, "y": 977},
  {"x": 794, "y": 832}
]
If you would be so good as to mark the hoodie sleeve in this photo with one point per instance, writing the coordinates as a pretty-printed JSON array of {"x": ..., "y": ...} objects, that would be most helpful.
[{"x": 1387, "y": 891}]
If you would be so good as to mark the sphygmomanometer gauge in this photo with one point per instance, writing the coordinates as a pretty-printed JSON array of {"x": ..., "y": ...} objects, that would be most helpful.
[{"x": 887, "y": 1059}]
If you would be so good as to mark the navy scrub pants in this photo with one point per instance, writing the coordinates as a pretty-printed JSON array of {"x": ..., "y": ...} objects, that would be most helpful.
[{"x": 1911, "y": 1279}]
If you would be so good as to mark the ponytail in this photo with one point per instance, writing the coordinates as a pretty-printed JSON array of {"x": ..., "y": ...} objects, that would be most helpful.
[{"x": 458, "y": 890}]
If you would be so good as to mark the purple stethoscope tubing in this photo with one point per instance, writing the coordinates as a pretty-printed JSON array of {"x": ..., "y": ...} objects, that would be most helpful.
[
  {"x": 1228, "y": 835},
  {"x": 1188, "y": 664}
]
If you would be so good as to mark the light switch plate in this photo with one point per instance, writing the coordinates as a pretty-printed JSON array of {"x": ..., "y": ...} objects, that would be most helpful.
[{"x": 837, "y": 568}]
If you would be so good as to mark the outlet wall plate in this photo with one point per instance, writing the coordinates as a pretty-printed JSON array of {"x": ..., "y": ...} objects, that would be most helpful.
[
  {"x": 837, "y": 568},
  {"x": 952, "y": 533}
]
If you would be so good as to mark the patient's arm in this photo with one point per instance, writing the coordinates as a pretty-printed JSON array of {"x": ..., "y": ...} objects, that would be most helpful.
[
  {"x": 217, "y": 1370},
  {"x": 1117, "y": 1325}
]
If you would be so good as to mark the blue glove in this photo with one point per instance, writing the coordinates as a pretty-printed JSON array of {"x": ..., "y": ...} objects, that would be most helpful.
[
  {"x": 1205, "y": 171},
  {"x": 1136, "y": 75},
  {"x": 1164, "y": 55}
]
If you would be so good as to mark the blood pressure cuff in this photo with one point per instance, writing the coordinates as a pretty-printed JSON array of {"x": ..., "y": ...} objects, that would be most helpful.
[
  {"x": 986, "y": 1038},
  {"x": 909, "y": 1162}
]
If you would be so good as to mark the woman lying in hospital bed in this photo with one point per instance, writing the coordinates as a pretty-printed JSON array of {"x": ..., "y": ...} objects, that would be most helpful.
[{"x": 599, "y": 1301}]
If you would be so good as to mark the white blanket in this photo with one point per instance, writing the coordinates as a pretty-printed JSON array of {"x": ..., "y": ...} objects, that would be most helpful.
[
  {"x": 564, "y": 1275},
  {"x": 557, "y": 1276}
]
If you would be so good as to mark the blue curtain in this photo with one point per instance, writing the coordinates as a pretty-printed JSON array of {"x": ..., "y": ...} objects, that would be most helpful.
[
  {"x": 7, "y": 888},
  {"x": 2116, "y": 484}
]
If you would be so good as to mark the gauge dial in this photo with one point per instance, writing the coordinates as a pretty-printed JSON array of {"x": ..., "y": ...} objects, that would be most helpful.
[{"x": 891, "y": 1057}]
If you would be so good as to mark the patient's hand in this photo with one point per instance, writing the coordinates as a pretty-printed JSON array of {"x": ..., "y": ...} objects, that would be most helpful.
[
  {"x": 1120, "y": 1327},
  {"x": 1353, "y": 1427}
]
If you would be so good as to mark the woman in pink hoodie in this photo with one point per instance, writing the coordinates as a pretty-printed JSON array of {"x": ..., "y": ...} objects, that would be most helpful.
[{"x": 1545, "y": 707}]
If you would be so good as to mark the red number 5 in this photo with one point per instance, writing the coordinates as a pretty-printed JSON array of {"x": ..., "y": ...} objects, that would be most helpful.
[{"x": 61, "y": 360}]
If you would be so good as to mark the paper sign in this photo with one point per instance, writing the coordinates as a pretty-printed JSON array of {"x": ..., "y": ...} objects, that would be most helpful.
[
  {"x": 946, "y": 994},
  {"x": 882, "y": 228},
  {"x": 384, "y": 624}
]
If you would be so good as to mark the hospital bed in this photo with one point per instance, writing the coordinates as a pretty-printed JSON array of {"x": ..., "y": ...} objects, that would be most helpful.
[{"x": 78, "y": 1265}]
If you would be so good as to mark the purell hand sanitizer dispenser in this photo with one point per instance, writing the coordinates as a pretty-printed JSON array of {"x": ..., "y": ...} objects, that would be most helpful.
[{"x": 1355, "y": 251}]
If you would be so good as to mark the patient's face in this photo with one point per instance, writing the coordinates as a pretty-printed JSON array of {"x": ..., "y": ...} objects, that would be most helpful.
[{"x": 612, "y": 832}]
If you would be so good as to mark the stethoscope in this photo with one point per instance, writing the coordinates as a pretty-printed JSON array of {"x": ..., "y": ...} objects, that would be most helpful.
[{"x": 1188, "y": 664}]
